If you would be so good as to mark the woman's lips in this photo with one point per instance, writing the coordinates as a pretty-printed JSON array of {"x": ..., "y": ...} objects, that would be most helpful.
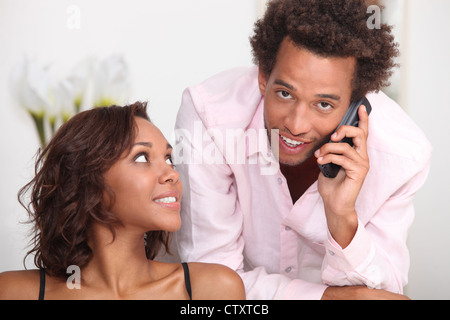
[{"x": 168, "y": 200}]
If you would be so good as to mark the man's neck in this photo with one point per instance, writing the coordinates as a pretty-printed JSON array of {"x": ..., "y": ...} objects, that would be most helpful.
[{"x": 300, "y": 177}]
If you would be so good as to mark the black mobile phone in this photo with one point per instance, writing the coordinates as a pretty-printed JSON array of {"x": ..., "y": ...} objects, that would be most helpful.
[{"x": 351, "y": 118}]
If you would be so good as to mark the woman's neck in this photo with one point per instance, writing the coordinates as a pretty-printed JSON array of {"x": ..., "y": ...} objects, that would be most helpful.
[{"x": 119, "y": 263}]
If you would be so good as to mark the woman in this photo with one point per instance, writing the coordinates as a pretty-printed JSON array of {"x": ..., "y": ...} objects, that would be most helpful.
[{"x": 105, "y": 199}]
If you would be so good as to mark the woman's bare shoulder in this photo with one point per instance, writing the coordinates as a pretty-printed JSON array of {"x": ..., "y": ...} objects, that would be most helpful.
[
  {"x": 215, "y": 282},
  {"x": 19, "y": 285}
]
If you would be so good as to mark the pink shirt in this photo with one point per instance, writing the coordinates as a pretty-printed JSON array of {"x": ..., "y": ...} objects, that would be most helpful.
[{"x": 237, "y": 209}]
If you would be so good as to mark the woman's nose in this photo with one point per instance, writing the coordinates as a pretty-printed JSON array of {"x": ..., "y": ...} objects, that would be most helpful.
[{"x": 169, "y": 175}]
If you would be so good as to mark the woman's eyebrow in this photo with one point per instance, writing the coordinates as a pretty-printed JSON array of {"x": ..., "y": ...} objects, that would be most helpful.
[
  {"x": 150, "y": 145},
  {"x": 145, "y": 144}
]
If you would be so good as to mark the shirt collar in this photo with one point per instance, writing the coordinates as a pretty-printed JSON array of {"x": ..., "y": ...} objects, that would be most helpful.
[{"x": 262, "y": 145}]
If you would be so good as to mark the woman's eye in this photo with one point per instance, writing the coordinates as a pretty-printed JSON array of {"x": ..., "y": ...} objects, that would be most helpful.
[
  {"x": 284, "y": 94},
  {"x": 325, "y": 106},
  {"x": 141, "y": 158},
  {"x": 169, "y": 161}
]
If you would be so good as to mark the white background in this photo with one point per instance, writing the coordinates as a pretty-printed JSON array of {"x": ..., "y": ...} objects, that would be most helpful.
[{"x": 172, "y": 44}]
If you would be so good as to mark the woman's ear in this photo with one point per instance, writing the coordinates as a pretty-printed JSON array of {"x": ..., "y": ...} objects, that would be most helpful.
[{"x": 262, "y": 80}]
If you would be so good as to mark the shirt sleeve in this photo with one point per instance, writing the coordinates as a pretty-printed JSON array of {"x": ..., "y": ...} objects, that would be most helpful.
[
  {"x": 378, "y": 256},
  {"x": 212, "y": 219}
]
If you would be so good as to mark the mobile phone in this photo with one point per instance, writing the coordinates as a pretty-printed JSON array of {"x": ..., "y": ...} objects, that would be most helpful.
[{"x": 351, "y": 118}]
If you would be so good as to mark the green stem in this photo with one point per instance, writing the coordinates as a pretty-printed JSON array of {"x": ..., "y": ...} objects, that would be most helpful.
[
  {"x": 78, "y": 105},
  {"x": 52, "y": 122},
  {"x": 65, "y": 117},
  {"x": 39, "y": 122}
]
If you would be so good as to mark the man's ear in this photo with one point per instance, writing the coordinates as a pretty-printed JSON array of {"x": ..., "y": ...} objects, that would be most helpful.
[{"x": 262, "y": 80}]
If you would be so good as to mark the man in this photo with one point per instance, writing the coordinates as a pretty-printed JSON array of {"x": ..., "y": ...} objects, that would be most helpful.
[{"x": 259, "y": 204}]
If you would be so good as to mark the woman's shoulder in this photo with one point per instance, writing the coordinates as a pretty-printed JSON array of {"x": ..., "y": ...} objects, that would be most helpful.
[
  {"x": 19, "y": 285},
  {"x": 211, "y": 281}
]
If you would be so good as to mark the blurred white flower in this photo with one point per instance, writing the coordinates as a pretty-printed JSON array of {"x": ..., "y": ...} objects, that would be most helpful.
[
  {"x": 43, "y": 97},
  {"x": 81, "y": 79},
  {"x": 30, "y": 85},
  {"x": 63, "y": 102},
  {"x": 48, "y": 99},
  {"x": 111, "y": 81}
]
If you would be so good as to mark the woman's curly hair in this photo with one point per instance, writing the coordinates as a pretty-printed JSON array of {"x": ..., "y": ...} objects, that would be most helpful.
[
  {"x": 329, "y": 28},
  {"x": 68, "y": 189}
]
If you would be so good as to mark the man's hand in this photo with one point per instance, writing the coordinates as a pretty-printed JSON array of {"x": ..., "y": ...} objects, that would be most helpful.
[
  {"x": 339, "y": 194},
  {"x": 360, "y": 293}
]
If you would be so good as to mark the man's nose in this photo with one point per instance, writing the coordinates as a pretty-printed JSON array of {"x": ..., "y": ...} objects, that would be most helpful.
[{"x": 298, "y": 121}]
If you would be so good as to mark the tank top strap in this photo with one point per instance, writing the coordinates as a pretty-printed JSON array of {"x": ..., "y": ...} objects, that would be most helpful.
[
  {"x": 42, "y": 284},
  {"x": 187, "y": 279}
]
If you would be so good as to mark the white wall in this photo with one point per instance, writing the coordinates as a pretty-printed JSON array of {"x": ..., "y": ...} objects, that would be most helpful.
[
  {"x": 172, "y": 44},
  {"x": 169, "y": 45},
  {"x": 427, "y": 88}
]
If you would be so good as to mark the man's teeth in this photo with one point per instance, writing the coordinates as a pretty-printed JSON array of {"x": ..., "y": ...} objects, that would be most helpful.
[
  {"x": 291, "y": 143},
  {"x": 167, "y": 200}
]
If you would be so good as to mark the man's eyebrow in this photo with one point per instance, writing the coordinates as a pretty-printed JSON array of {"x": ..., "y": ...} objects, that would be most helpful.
[
  {"x": 169, "y": 146},
  {"x": 284, "y": 84},
  {"x": 329, "y": 96},
  {"x": 320, "y": 95}
]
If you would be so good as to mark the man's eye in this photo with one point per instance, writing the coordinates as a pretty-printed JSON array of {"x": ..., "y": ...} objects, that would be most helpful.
[
  {"x": 325, "y": 106},
  {"x": 284, "y": 94}
]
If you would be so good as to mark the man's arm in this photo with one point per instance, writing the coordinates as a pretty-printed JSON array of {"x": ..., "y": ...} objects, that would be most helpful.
[
  {"x": 360, "y": 293},
  {"x": 378, "y": 255},
  {"x": 373, "y": 253},
  {"x": 212, "y": 220},
  {"x": 339, "y": 194}
]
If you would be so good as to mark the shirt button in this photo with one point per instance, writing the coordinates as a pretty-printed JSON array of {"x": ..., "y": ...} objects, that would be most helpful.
[
  {"x": 331, "y": 253},
  {"x": 287, "y": 228},
  {"x": 288, "y": 269},
  {"x": 280, "y": 181}
]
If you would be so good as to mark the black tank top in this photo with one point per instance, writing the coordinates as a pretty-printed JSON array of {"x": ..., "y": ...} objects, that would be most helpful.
[{"x": 187, "y": 282}]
